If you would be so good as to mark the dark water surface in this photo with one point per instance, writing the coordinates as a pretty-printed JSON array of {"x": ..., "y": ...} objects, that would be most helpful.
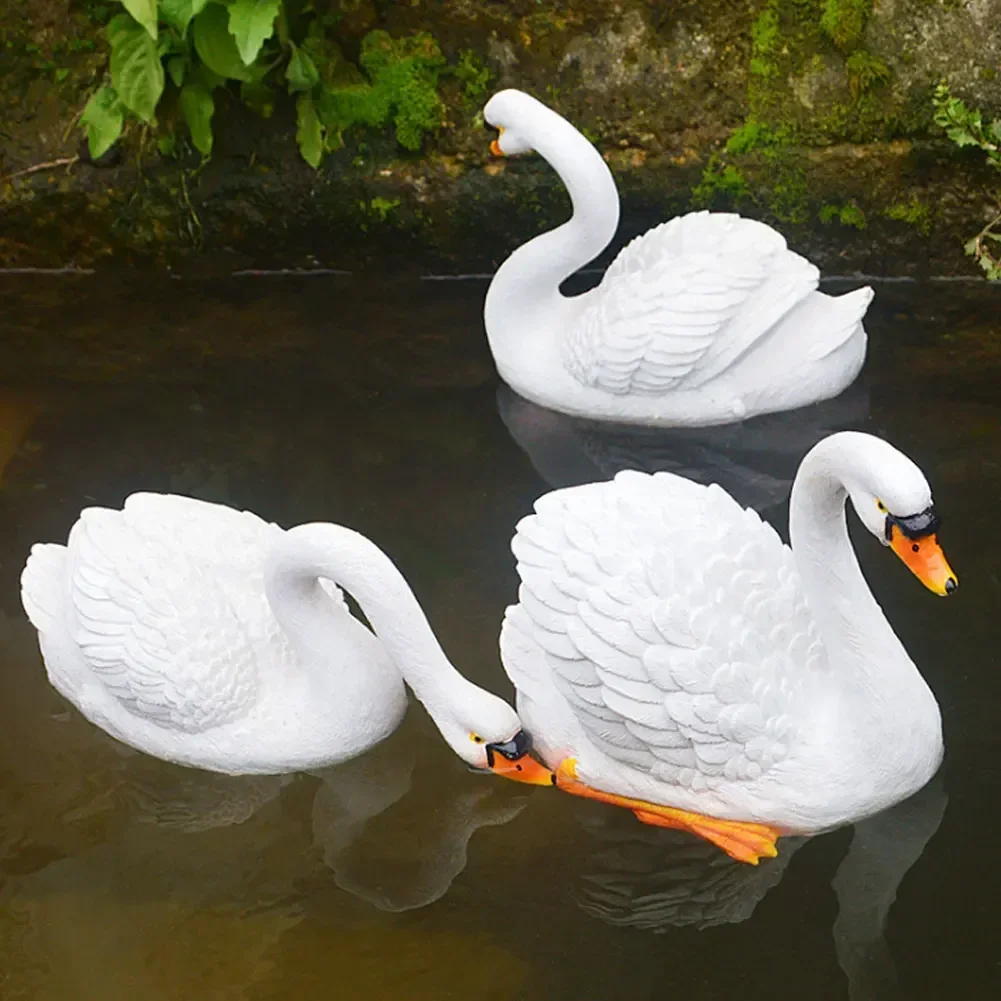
[{"x": 401, "y": 875}]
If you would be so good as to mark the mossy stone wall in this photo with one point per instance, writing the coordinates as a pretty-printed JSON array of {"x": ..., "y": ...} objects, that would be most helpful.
[{"x": 814, "y": 115}]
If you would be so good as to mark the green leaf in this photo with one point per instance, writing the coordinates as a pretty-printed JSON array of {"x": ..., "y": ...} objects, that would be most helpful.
[
  {"x": 176, "y": 68},
  {"x": 120, "y": 23},
  {"x": 251, "y": 23},
  {"x": 144, "y": 11},
  {"x": 960, "y": 136},
  {"x": 197, "y": 107},
  {"x": 215, "y": 45},
  {"x": 210, "y": 78},
  {"x": 136, "y": 70},
  {"x": 310, "y": 132},
  {"x": 170, "y": 44},
  {"x": 178, "y": 13},
  {"x": 102, "y": 118},
  {"x": 301, "y": 72}
]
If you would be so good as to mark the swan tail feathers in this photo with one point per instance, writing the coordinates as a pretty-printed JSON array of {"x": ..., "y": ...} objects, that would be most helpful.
[
  {"x": 841, "y": 318},
  {"x": 43, "y": 585}
]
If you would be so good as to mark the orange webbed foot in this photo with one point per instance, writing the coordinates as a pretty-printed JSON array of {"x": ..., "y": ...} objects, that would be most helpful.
[{"x": 744, "y": 841}]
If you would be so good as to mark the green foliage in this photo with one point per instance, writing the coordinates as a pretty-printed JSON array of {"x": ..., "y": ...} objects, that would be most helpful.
[
  {"x": 788, "y": 200},
  {"x": 848, "y": 215},
  {"x": 251, "y": 23},
  {"x": 381, "y": 207},
  {"x": 843, "y": 21},
  {"x": 187, "y": 50},
  {"x": 215, "y": 46},
  {"x": 136, "y": 70},
  {"x": 310, "y": 131},
  {"x": 143, "y": 13},
  {"x": 865, "y": 71},
  {"x": 721, "y": 184},
  {"x": 102, "y": 120},
  {"x": 764, "y": 43},
  {"x": 178, "y": 13},
  {"x": 754, "y": 135},
  {"x": 402, "y": 89},
  {"x": 914, "y": 212},
  {"x": 473, "y": 76},
  {"x": 965, "y": 126},
  {"x": 198, "y": 106}
]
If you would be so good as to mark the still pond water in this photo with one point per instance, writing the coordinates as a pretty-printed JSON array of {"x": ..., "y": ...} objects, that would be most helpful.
[{"x": 401, "y": 875}]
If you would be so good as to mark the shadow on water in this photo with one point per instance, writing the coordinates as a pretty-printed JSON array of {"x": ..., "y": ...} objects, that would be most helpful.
[
  {"x": 754, "y": 461},
  {"x": 400, "y": 874}
]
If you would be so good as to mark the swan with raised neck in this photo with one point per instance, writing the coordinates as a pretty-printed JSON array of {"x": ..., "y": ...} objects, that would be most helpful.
[
  {"x": 672, "y": 655},
  {"x": 706, "y": 319}
]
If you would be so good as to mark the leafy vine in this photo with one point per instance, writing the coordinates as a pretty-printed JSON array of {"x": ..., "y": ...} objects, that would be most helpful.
[
  {"x": 182, "y": 52},
  {"x": 965, "y": 126}
]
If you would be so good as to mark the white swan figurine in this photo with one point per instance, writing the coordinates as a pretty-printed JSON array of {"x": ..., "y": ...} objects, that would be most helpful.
[
  {"x": 706, "y": 319},
  {"x": 208, "y": 637},
  {"x": 673, "y": 656}
]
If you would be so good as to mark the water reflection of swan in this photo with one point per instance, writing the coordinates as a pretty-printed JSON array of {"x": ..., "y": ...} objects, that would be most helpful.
[
  {"x": 389, "y": 840},
  {"x": 399, "y": 846},
  {"x": 659, "y": 880},
  {"x": 754, "y": 461},
  {"x": 192, "y": 801},
  {"x": 648, "y": 878}
]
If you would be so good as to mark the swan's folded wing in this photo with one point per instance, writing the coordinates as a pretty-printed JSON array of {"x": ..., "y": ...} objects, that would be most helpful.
[
  {"x": 673, "y": 624},
  {"x": 156, "y": 628},
  {"x": 684, "y": 302},
  {"x": 220, "y": 539}
]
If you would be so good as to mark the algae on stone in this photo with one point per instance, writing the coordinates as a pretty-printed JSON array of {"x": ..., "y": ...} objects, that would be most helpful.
[{"x": 816, "y": 112}]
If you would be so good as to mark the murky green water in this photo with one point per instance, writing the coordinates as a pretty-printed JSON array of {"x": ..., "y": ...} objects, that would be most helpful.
[{"x": 401, "y": 875}]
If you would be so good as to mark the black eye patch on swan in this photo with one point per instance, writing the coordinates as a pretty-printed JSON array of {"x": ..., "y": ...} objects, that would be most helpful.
[
  {"x": 914, "y": 526},
  {"x": 517, "y": 747}
]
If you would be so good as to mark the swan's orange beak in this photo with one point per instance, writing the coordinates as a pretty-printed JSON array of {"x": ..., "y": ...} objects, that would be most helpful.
[
  {"x": 512, "y": 761},
  {"x": 495, "y": 145},
  {"x": 923, "y": 556}
]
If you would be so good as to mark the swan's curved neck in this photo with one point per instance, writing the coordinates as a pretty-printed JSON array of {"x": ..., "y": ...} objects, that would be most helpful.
[
  {"x": 857, "y": 634},
  {"x": 310, "y": 552},
  {"x": 525, "y": 291}
]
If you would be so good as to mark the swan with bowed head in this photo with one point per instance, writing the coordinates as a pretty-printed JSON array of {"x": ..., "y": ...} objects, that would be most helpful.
[
  {"x": 706, "y": 319},
  {"x": 209, "y": 637}
]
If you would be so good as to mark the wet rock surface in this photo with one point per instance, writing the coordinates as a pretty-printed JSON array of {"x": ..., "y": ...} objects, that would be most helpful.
[{"x": 853, "y": 171}]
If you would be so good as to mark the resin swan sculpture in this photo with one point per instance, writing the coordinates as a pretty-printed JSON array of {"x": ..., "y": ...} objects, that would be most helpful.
[
  {"x": 706, "y": 319},
  {"x": 208, "y": 637},
  {"x": 673, "y": 656}
]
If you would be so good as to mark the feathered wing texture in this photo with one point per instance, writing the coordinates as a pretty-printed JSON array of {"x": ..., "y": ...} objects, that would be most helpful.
[
  {"x": 228, "y": 543},
  {"x": 158, "y": 607},
  {"x": 837, "y": 316},
  {"x": 683, "y": 302},
  {"x": 671, "y": 620},
  {"x": 42, "y": 584}
]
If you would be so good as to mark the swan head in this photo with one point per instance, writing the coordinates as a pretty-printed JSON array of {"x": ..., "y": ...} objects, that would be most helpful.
[
  {"x": 893, "y": 500},
  {"x": 486, "y": 733},
  {"x": 504, "y": 111}
]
